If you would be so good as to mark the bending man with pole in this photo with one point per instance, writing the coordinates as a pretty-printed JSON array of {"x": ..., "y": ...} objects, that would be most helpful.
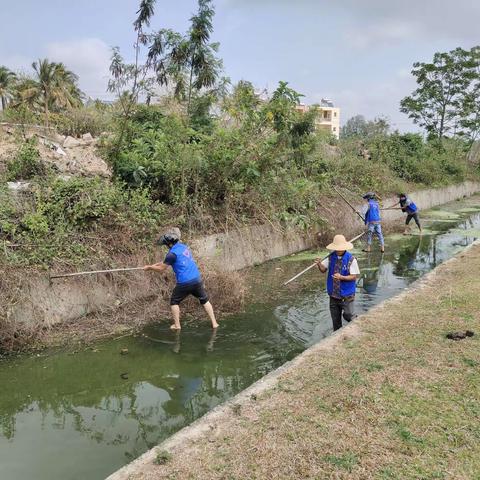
[
  {"x": 189, "y": 280},
  {"x": 342, "y": 273}
]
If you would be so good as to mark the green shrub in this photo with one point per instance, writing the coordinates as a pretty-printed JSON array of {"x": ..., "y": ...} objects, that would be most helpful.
[
  {"x": 60, "y": 214},
  {"x": 76, "y": 122},
  {"x": 26, "y": 164}
]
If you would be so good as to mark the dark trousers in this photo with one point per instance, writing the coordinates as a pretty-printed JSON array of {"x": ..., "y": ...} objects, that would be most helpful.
[
  {"x": 337, "y": 307},
  {"x": 415, "y": 217}
]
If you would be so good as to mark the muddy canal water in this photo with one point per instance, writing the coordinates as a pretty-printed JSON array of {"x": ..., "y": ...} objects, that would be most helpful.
[{"x": 82, "y": 415}]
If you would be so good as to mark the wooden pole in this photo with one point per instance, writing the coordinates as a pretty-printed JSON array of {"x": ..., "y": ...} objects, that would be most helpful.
[
  {"x": 350, "y": 205},
  {"x": 314, "y": 264},
  {"x": 63, "y": 275}
]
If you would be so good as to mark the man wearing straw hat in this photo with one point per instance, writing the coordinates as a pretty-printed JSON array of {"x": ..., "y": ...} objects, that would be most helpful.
[{"x": 343, "y": 271}]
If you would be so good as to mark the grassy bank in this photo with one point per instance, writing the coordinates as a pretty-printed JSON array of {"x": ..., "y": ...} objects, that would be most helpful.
[{"x": 391, "y": 397}]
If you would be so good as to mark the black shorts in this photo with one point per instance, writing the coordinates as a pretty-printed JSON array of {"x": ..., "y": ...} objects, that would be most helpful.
[{"x": 180, "y": 292}]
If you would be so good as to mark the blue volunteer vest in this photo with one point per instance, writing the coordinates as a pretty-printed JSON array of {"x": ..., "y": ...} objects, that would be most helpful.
[
  {"x": 185, "y": 268},
  {"x": 412, "y": 208},
  {"x": 373, "y": 212},
  {"x": 347, "y": 288}
]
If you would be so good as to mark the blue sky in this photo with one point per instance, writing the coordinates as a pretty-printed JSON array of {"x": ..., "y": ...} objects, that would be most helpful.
[{"x": 356, "y": 52}]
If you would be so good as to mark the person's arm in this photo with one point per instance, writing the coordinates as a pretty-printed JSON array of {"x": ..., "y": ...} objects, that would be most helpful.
[
  {"x": 322, "y": 264},
  {"x": 393, "y": 207},
  {"x": 354, "y": 273},
  {"x": 345, "y": 278},
  {"x": 157, "y": 267},
  {"x": 365, "y": 211},
  {"x": 162, "y": 266}
]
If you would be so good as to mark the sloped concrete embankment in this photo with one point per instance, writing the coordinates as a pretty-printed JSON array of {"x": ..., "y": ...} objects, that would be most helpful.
[{"x": 47, "y": 303}]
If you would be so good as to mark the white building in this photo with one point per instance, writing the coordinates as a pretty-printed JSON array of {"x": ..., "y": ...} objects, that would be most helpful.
[{"x": 328, "y": 118}]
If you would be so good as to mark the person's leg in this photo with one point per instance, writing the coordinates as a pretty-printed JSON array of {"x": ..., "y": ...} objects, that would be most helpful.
[
  {"x": 417, "y": 220},
  {"x": 407, "y": 227},
  {"x": 378, "y": 231},
  {"x": 336, "y": 313},
  {"x": 176, "y": 317},
  {"x": 370, "y": 229},
  {"x": 209, "y": 309},
  {"x": 348, "y": 311},
  {"x": 198, "y": 291},
  {"x": 178, "y": 295}
]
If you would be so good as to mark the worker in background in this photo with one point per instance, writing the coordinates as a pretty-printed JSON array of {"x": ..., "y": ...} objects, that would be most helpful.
[
  {"x": 407, "y": 206},
  {"x": 373, "y": 221}
]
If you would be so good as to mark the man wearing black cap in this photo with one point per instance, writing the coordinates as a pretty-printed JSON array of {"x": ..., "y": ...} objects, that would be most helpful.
[{"x": 189, "y": 280}]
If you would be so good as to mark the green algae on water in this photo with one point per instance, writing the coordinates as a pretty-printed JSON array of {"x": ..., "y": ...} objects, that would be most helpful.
[
  {"x": 442, "y": 215},
  {"x": 308, "y": 255},
  {"x": 468, "y": 232}
]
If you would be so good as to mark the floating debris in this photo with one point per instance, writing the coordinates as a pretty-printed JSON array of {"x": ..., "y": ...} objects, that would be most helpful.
[
  {"x": 124, "y": 351},
  {"x": 124, "y": 376}
]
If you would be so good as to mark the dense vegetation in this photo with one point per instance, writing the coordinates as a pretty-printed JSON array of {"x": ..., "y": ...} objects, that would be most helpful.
[{"x": 206, "y": 156}]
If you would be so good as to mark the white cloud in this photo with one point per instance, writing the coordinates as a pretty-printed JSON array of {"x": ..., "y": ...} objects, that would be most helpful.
[
  {"x": 16, "y": 63},
  {"x": 89, "y": 58},
  {"x": 380, "y": 99},
  {"x": 380, "y": 34}
]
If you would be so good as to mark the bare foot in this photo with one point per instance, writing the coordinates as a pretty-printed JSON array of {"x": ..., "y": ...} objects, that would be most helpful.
[
  {"x": 215, "y": 325},
  {"x": 174, "y": 327}
]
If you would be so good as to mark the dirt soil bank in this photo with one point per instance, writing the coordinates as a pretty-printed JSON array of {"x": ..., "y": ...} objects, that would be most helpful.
[{"x": 387, "y": 397}]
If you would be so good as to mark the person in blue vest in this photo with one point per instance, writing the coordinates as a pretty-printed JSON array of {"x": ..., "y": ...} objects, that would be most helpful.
[
  {"x": 342, "y": 273},
  {"x": 373, "y": 221},
  {"x": 189, "y": 280},
  {"x": 407, "y": 206}
]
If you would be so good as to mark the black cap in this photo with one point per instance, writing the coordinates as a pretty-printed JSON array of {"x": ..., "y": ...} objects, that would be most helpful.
[{"x": 168, "y": 239}]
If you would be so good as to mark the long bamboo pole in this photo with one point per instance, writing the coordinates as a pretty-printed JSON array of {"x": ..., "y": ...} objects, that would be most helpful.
[
  {"x": 315, "y": 264},
  {"x": 350, "y": 205},
  {"x": 91, "y": 272}
]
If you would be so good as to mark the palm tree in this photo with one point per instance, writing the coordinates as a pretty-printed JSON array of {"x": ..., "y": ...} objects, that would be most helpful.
[
  {"x": 7, "y": 82},
  {"x": 55, "y": 87}
]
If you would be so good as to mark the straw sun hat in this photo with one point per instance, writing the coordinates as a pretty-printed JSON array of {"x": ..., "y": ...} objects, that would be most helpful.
[{"x": 339, "y": 243}]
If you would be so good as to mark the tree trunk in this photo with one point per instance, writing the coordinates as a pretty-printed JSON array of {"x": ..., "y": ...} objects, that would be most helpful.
[
  {"x": 190, "y": 83},
  {"x": 46, "y": 97},
  {"x": 442, "y": 121},
  {"x": 4, "y": 103}
]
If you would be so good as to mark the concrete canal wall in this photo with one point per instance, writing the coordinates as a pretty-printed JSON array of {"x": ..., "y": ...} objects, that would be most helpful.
[
  {"x": 242, "y": 248},
  {"x": 48, "y": 303}
]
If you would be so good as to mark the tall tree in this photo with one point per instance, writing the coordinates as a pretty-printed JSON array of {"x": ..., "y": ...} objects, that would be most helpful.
[
  {"x": 437, "y": 103},
  {"x": 7, "y": 84},
  {"x": 189, "y": 61},
  {"x": 53, "y": 87},
  {"x": 129, "y": 81},
  {"x": 470, "y": 121},
  {"x": 355, "y": 127}
]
